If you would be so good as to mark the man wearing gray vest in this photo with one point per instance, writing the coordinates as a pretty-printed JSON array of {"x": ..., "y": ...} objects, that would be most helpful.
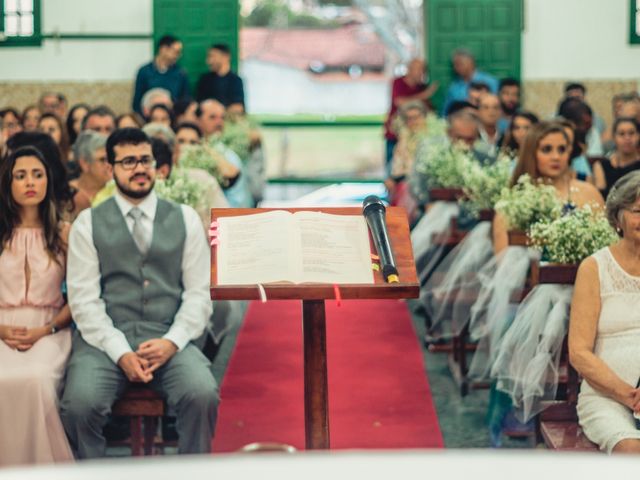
[{"x": 138, "y": 281}]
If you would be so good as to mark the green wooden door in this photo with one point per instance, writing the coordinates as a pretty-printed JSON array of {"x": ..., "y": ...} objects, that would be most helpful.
[
  {"x": 198, "y": 23},
  {"x": 491, "y": 29}
]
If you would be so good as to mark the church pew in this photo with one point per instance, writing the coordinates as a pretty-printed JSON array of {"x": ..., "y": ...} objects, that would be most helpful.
[
  {"x": 460, "y": 344},
  {"x": 558, "y": 423}
]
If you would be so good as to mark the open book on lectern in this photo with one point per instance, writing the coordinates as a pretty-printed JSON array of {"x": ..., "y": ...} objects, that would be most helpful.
[{"x": 300, "y": 247}]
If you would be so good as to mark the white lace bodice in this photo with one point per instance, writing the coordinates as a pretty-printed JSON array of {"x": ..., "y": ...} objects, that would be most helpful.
[
  {"x": 619, "y": 298},
  {"x": 604, "y": 420},
  {"x": 613, "y": 279}
]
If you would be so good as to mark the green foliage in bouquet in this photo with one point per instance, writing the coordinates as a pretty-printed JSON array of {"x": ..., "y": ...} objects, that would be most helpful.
[
  {"x": 527, "y": 203},
  {"x": 442, "y": 166},
  {"x": 436, "y": 126},
  {"x": 483, "y": 184},
  {"x": 237, "y": 137},
  {"x": 180, "y": 188},
  {"x": 204, "y": 157},
  {"x": 573, "y": 237}
]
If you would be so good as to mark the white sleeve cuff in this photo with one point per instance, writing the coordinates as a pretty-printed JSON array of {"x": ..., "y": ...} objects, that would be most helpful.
[
  {"x": 178, "y": 336},
  {"x": 116, "y": 347}
]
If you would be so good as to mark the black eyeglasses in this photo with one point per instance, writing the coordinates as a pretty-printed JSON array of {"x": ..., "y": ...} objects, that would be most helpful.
[{"x": 130, "y": 163}]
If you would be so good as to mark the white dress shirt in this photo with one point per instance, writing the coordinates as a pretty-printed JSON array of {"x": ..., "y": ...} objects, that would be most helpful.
[{"x": 83, "y": 281}]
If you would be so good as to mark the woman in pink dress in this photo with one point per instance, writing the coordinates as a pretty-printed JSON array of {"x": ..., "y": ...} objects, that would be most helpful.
[{"x": 34, "y": 340}]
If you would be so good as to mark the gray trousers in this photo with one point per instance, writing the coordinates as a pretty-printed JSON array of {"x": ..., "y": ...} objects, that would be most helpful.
[{"x": 94, "y": 383}]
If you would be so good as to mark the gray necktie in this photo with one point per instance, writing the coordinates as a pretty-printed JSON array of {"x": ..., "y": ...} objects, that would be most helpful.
[{"x": 138, "y": 230}]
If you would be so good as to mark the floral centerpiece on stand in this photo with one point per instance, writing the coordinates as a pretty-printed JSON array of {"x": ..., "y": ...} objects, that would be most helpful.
[
  {"x": 440, "y": 165},
  {"x": 573, "y": 237},
  {"x": 204, "y": 157},
  {"x": 236, "y": 136},
  {"x": 483, "y": 184},
  {"x": 527, "y": 203},
  {"x": 436, "y": 126},
  {"x": 180, "y": 188}
]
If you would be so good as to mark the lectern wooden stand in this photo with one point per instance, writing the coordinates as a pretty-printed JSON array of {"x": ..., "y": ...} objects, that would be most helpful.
[{"x": 316, "y": 398}]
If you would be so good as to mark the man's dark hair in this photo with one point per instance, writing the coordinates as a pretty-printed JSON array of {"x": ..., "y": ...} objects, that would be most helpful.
[
  {"x": 181, "y": 105},
  {"x": 99, "y": 111},
  {"x": 199, "y": 110},
  {"x": 166, "y": 41},
  {"x": 509, "y": 82},
  {"x": 223, "y": 47},
  {"x": 575, "y": 86},
  {"x": 479, "y": 86},
  {"x": 124, "y": 136},
  {"x": 573, "y": 109},
  {"x": 458, "y": 105},
  {"x": 161, "y": 153},
  {"x": 189, "y": 126}
]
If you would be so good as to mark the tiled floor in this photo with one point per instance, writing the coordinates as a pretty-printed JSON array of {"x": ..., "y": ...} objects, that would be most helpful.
[{"x": 461, "y": 418}]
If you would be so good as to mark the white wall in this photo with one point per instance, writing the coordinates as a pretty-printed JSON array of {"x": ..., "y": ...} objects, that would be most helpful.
[
  {"x": 97, "y": 16},
  {"x": 563, "y": 39},
  {"x": 578, "y": 39},
  {"x": 84, "y": 60}
]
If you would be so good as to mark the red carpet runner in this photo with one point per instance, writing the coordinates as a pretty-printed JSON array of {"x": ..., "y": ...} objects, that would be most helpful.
[{"x": 379, "y": 396}]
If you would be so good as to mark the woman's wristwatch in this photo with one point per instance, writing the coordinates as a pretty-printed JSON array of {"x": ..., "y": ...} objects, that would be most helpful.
[{"x": 54, "y": 329}]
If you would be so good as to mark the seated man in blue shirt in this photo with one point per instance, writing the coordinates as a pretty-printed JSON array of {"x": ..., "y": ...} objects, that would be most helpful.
[
  {"x": 464, "y": 64},
  {"x": 162, "y": 72}
]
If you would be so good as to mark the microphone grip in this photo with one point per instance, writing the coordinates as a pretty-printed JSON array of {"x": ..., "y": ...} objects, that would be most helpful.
[{"x": 378, "y": 228}]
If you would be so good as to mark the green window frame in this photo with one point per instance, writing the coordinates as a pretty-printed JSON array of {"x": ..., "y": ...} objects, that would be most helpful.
[
  {"x": 20, "y": 23},
  {"x": 634, "y": 21}
]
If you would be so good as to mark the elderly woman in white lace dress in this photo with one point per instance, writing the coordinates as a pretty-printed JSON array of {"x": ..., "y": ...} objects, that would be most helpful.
[{"x": 604, "y": 330}]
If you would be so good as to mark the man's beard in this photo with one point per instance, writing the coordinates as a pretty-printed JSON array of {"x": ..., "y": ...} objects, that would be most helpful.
[
  {"x": 137, "y": 194},
  {"x": 509, "y": 110}
]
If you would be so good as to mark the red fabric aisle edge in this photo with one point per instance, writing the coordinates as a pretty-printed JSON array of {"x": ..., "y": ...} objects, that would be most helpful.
[{"x": 379, "y": 396}]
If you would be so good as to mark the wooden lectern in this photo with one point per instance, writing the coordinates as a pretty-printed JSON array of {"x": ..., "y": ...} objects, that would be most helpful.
[{"x": 313, "y": 295}]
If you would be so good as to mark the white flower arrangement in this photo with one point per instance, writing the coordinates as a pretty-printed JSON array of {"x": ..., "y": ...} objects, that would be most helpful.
[
  {"x": 442, "y": 166},
  {"x": 237, "y": 137},
  {"x": 527, "y": 203},
  {"x": 573, "y": 237},
  {"x": 483, "y": 184},
  {"x": 204, "y": 157},
  {"x": 436, "y": 126},
  {"x": 180, "y": 188}
]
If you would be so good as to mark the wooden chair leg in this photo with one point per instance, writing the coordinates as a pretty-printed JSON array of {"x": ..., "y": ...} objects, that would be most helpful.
[
  {"x": 463, "y": 341},
  {"x": 150, "y": 429},
  {"x": 136, "y": 436}
]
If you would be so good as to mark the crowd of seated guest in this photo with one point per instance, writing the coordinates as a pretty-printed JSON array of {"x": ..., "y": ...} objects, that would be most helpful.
[
  {"x": 67, "y": 176},
  {"x": 577, "y": 154},
  {"x": 79, "y": 214}
]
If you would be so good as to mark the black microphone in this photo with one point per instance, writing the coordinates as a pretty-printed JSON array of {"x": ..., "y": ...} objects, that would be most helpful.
[{"x": 374, "y": 212}]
